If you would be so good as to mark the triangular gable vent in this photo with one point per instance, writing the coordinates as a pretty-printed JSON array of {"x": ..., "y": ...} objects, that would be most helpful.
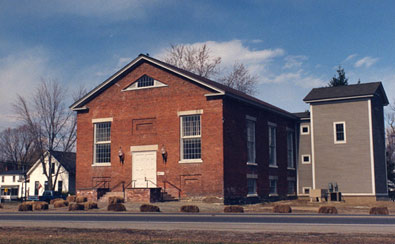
[{"x": 144, "y": 82}]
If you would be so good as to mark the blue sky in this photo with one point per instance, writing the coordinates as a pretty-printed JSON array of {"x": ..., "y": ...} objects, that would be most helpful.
[{"x": 292, "y": 46}]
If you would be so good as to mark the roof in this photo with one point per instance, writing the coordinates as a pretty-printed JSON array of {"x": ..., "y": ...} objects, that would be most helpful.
[
  {"x": 217, "y": 88},
  {"x": 66, "y": 159},
  {"x": 346, "y": 92},
  {"x": 12, "y": 172},
  {"x": 302, "y": 115}
]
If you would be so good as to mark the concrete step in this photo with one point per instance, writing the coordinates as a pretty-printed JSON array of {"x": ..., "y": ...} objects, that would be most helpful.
[{"x": 166, "y": 197}]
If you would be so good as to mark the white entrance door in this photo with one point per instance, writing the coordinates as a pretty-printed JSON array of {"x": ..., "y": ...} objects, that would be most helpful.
[{"x": 144, "y": 169}]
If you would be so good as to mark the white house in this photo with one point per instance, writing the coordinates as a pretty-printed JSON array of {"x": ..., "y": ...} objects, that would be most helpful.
[
  {"x": 11, "y": 185},
  {"x": 64, "y": 182}
]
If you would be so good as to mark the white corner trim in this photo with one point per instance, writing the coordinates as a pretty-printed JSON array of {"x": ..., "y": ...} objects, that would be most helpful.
[
  {"x": 371, "y": 147},
  {"x": 100, "y": 120},
  {"x": 250, "y": 118},
  {"x": 312, "y": 159},
  {"x": 144, "y": 148},
  {"x": 344, "y": 132},
  {"x": 190, "y": 112}
]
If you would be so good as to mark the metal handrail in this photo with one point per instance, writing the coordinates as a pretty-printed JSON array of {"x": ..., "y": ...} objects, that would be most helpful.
[{"x": 174, "y": 186}]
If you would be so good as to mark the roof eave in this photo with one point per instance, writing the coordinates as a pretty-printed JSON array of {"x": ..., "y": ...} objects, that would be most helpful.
[{"x": 336, "y": 99}]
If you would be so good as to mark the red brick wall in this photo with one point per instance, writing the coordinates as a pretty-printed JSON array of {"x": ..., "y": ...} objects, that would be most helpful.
[
  {"x": 235, "y": 150},
  {"x": 161, "y": 106}
]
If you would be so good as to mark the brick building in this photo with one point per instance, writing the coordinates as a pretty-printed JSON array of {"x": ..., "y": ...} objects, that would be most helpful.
[{"x": 152, "y": 127}]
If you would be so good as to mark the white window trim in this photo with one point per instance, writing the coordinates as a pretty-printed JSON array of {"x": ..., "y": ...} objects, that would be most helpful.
[
  {"x": 289, "y": 130},
  {"x": 188, "y": 113},
  {"x": 306, "y": 155},
  {"x": 97, "y": 121},
  {"x": 335, "y": 134},
  {"x": 255, "y": 177},
  {"x": 250, "y": 118},
  {"x": 303, "y": 190},
  {"x": 134, "y": 86},
  {"x": 304, "y": 126}
]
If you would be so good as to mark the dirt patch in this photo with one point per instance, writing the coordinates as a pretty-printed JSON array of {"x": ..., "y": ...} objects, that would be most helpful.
[{"x": 63, "y": 235}]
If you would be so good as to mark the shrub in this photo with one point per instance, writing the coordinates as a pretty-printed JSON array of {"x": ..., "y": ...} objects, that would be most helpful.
[
  {"x": 327, "y": 210},
  {"x": 71, "y": 198},
  {"x": 282, "y": 209},
  {"x": 379, "y": 211},
  {"x": 81, "y": 199},
  {"x": 60, "y": 204},
  {"x": 234, "y": 209},
  {"x": 90, "y": 205},
  {"x": 116, "y": 207},
  {"x": 54, "y": 200},
  {"x": 26, "y": 206},
  {"x": 189, "y": 209},
  {"x": 149, "y": 208},
  {"x": 76, "y": 206},
  {"x": 40, "y": 205},
  {"x": 114, "y": 200}
]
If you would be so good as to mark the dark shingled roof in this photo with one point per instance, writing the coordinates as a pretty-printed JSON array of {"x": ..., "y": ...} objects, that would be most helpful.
[
  {"x": 338, "y": 92},
  {"x": 66, "y": 159},
  {"x": 12, "y": 172},
  {"x": 302, "y": 115}
]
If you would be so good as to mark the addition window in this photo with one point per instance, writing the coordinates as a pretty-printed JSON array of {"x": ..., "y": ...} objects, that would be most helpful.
[
  {"x": 191, "y": 148},
  {"x": 2, "y": 178},
  {"x": 272, "y": 145},
  {"x": 304, "y": 130},
  {"x": 13, "y": 178},
  {"x": 251, "y": 141},
  {"x": 46, "y": 187},
  {"x": 273, "y": 185},
  {"x": 306, "y": 190},
  {"x": 339, "y": 129},
  {"x": 60, "y": 186},
  {"x": 306, "y": 159},
  {"x": 290, "y": 149},
  {"x": 102, "y": 148},
  {"x": 53, "y": 168}
]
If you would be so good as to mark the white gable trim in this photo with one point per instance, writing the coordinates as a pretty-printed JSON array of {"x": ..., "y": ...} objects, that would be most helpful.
[{"x": 121, "y": 71}]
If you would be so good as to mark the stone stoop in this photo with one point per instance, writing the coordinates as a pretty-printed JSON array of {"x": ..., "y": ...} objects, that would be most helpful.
[
  {"x": 105, "y": 197},
  {"x": 166, "y": 197}
]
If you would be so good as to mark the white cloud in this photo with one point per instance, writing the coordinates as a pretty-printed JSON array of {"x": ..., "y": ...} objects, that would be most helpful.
[
  {"x": 366, "y": 61},
  {"x": 350, "y": 57},
  {"x": 299, "y": 78},
  {"x": 292, "y": 61},
  {"x": 19, "y": 74}
]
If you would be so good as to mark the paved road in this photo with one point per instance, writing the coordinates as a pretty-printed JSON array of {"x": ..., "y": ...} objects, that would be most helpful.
[{"x": 220, "y": 222}]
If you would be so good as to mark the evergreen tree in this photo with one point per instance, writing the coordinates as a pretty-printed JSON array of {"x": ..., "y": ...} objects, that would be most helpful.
[{"x": 340, "y": 80}]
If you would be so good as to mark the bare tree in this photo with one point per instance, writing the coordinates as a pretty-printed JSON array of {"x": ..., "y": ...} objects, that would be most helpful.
[
  {"x": 240, "y": 79},
  {"x": 17, "y": 147},
  {"x": 49, "y": 121},
  {"x": 390, "y": 147},
  {"x": 199, "y": 60}
]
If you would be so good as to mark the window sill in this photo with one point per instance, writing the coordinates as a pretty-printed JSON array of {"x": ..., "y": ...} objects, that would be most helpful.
[
  {"x": 273, "y": 195},
  {"x": 101, "y": 164},
  {"x": 273, "y": 166},
  {"x": 291, "y": 195},
  {"x": 291, "y": 169},
  {"x": 252, "y": 164},
  {"x": 252, "y": 195},
  {"x": 190, "y": 161},
  {"x": 306, "y": 162}
]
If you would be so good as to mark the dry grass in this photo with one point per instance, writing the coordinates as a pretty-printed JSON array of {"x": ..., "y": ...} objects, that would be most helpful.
[
  {"x": 60, "y": 204},
  {"x": 90, "y": 205},
  {"x": 40, "y": 206},
  {"x": 26, "y": 206},
  {"x": 25, "y": 235},
  {"x": 81, "y": 199},
  {"x": 71, "y": 198}
]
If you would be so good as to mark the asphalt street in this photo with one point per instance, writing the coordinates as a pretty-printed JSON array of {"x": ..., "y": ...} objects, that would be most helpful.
[{"x": 218, "y": 222}]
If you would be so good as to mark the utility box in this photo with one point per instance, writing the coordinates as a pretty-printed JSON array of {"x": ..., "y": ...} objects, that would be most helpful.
[{"x": 316, "y": 195}]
